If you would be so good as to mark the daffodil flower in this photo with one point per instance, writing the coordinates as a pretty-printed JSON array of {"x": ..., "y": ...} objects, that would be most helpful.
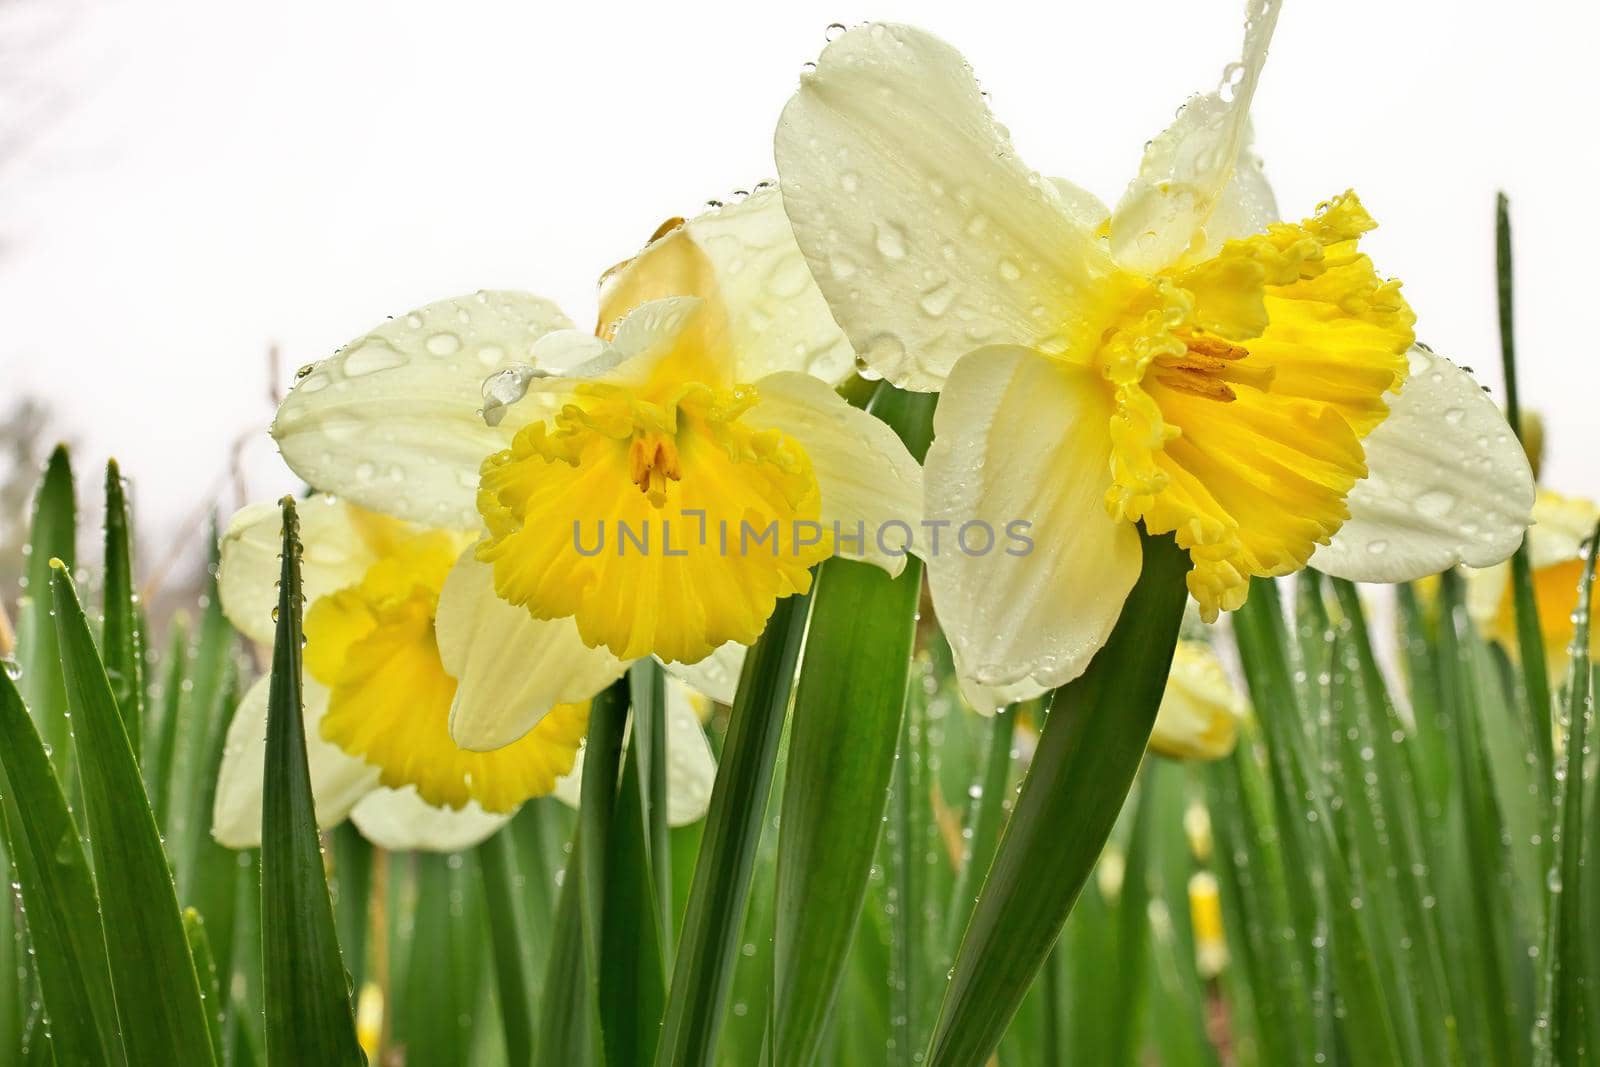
[
  {"x": 654, "y": 489},
  {"x": 1187, "y": 361},
  {"x": 1561, "y": 526},
  {"x": 1200, "y": 710},
  {"x": 381, "y": 670}
]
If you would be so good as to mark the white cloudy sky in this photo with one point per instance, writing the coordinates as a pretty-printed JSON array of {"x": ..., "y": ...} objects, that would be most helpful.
[{"x": 185, "y": 184}]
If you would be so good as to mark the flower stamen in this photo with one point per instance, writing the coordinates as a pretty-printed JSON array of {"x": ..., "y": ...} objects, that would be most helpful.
[
  {"x": 652, "y": 460},
  {"x": 1207, "y": 366}
]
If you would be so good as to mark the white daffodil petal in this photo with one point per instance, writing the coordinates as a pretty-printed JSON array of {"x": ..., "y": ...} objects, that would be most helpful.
[
  {"x": 776, "y": 313},
  {"x": 1199, "y": 183},
  {"x": 1086, "y": 209},
  {"x": 691, "y": 769},
  {"x": 987, "y": 699},
  {"x": 716, "y": 676},
  {"x": 569, "y": 787},
  {"x": 649, "y": 333},
  {"x": 338, "y": 780},
  {"x": 247, "y": 574},
  {"x": 401, "y": 821},
  {"x": 391, "y": 421},
  {"x": 1021, "y": 438},
  {"x": 870, "y": 484},
  {"x": 510, "y": 668},
  {"x": 925, "y": 232},
  {"x": 777, "y": 318},
  {"x": 1446, "y": 483},
  {"x": 566, "y": 351},
  {"x": 1246, "y": 204},
  {"x": 1561, "y": 525}
]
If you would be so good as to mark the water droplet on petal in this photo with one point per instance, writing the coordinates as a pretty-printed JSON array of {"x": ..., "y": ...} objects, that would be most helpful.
[
  {"x": 444, "y": 344},
  {"x": 371, "y": 356}
]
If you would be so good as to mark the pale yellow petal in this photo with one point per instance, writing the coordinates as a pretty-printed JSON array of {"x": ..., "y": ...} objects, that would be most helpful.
[
  {"x": 510, "y": 668},
  {"x": 743, "y": 257},
  {"x": 336, "y": 554},
  {"x": 401, "y": 821},
  {"x": 338, "y": 781},
  {"x": 391, "y": 421},
  {"x": 1020, "y": 438},
  {"x": 925, "y": 232},
  {"x": 1447, "y": 483},
  {"x": 871, "y": 486},
  {"x": 1200, "y": 170}
]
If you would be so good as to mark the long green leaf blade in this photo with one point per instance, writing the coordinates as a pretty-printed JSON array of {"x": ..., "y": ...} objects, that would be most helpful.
[
  {"x": 567, "y": 1032},
  {"x": 120, "y": 640},
  {"x": 1089, "y": 751},
  {"x": 1573, "y": 906},
  {"x": 849, "y": 701},
  {"x": 54, "y": 536},
  {"x": 162, "y": 1022},
  {"x": 1530, "y": 641},
  {"x": 633, "y": 977},
  {"x": 717, "y": 897},
  {"x": 205, "y": 969},
  {"x": 309, "y": 1018},
  {"x": 508, "y": 938},
  {"x": 52, "y": 872},
  {"x": 848, "y": 705}
]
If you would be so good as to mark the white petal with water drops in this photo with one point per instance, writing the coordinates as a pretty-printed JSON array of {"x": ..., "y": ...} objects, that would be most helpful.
[
  {"x": 869, "y": 481},
  {"x": 776, "y": 313},
  {"x": 510, "y": 668},
  {"x": 1199, "y": 184},
  {"x": 401, "y": 821},
  {"x": 335, "y": 556},
  {"x": 926, "y": 233},
  {"x": 716, "y": 676},
  {"x": 338, "y": 780},
  {"x": 999, "y": 457},
  {"x": 1447, "y": 483},
  {"x": 391, "y": 421}
]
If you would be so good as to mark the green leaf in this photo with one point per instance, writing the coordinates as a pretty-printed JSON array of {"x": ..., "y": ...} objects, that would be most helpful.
[
  {"x": 509, "y": 936},
  {"x": 1401, "y": 805},
  {"x": 202, "y": 710},
  {"x": 162, "y": 1022},
  {"x": 717, "y": 897},
  {"x": 351, "y": 889},
  {"x": 52, "y": 872},
  {"x": 207, "y": 876},
  {"x": 647, "y": 690},
  {"x": 161, "y": 724},
  {"x": 849, "y": 702},
  {"x": 205, "y": 968},
  {"x": 986, "y": 816},
  {"x": 633, "y": 977},
  {"x": 437, "y": 997},
  {"x": 602, "y": 752},
  {"x": 1482, "y": 825},
  {"x": 1088, "y": 753},
  {"x": 120, "y": 642},
  {"x": 54, "y": 536},
  {"x": 1530, "y": 642},
  {"x": 1316, "y": 867},
  {"x": 568, "y": 1031},
  {"x": 308, "y": 1011},
  {"x": 1256, "y": 910},
  {"x": 1573, "y": 907}
]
